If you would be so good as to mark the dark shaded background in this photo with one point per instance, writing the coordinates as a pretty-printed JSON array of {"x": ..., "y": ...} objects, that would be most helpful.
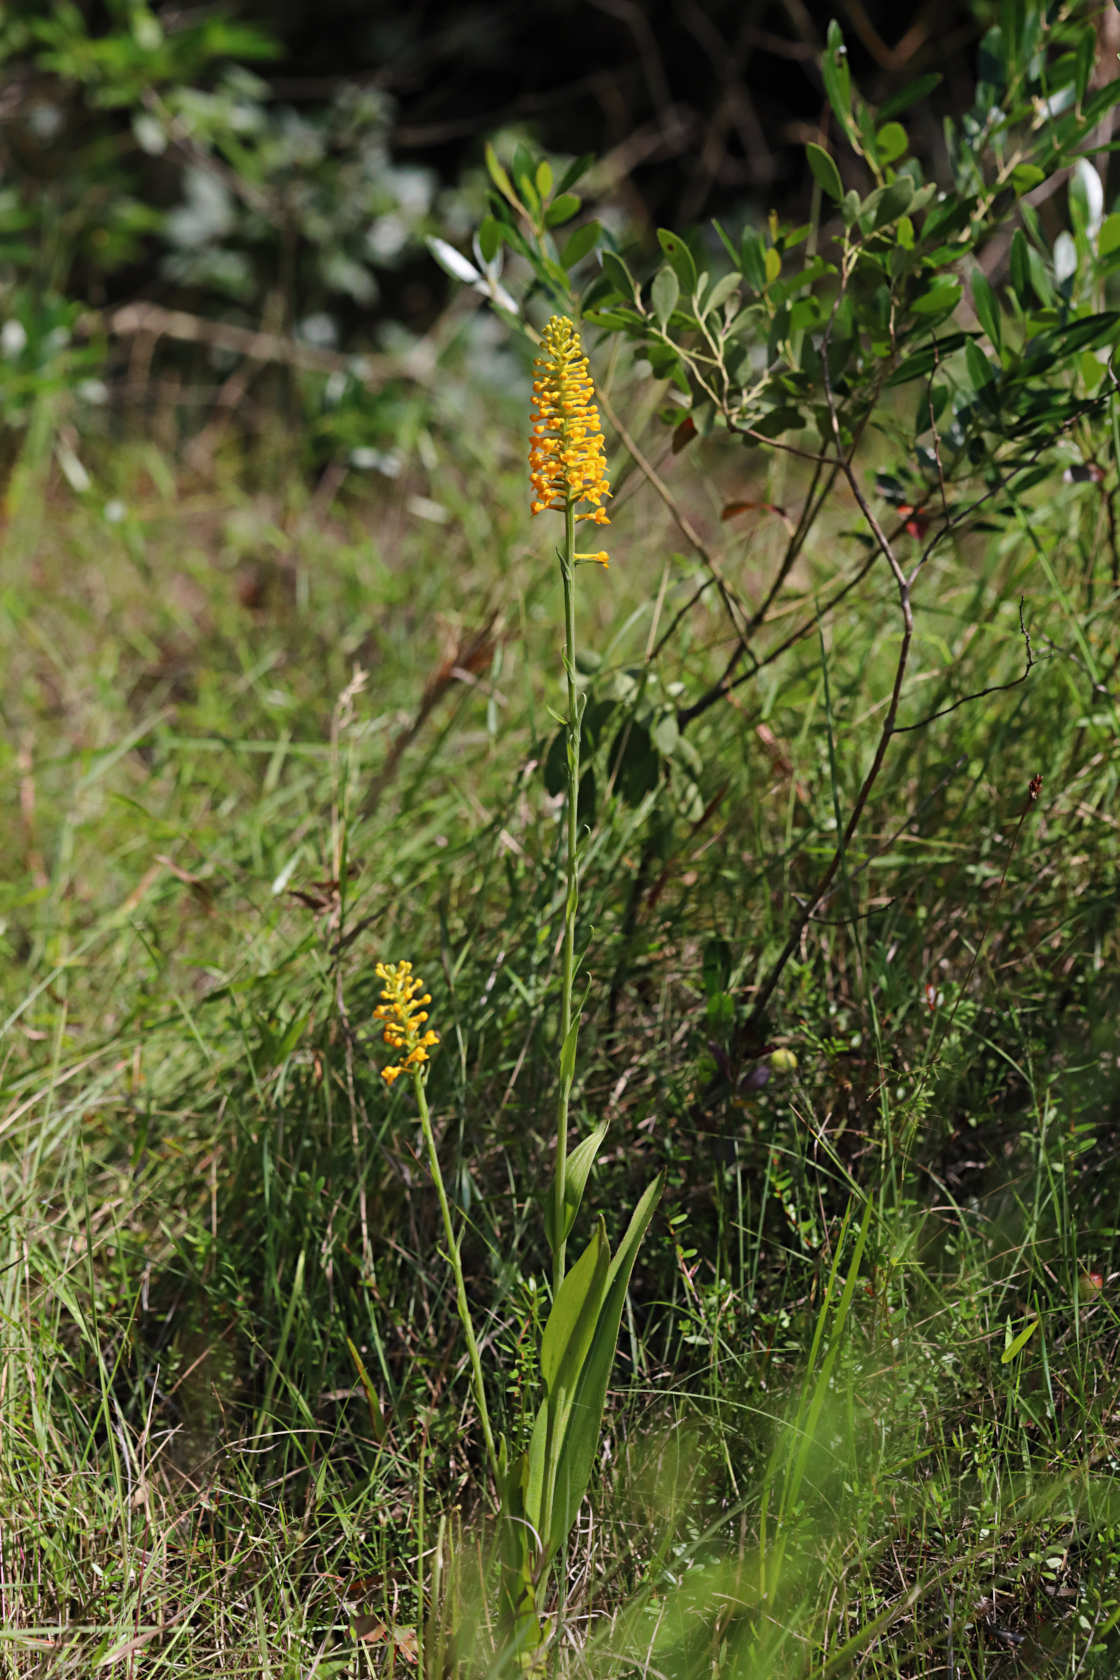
[
  {"x": 697, "y": 104},
  {"x": 691, "y": 109}
]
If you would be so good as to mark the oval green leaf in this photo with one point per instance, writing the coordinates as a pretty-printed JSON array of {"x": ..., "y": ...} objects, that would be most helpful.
[
  {"x": 580, "y": 243},
  {"x": 562, "y": 209},
  {"x": 664, "y": 294},
  {"x": 680, "y": 258},
  {"x": 489, "y": 237},
  {"x": 825, "y": 172},
  {"x": 890, "y": 142}
]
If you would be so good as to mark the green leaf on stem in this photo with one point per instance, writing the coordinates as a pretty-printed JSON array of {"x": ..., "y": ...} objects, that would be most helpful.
[
  {"x": 825, "y": 172},
  {"x": 568, "y": 1052},
  {"x": 571, "y": 1325},
  {"x": 489, "y": 237},
  {"x": 578, "y": 1449},
  {"x": 620, "y": 276},
  {"x": 1014, "y": 1348},
  {"x": 664, "y": 294},
  {"x": 1108, "y": 239},
  {"x": 562, "y": 209},
  {"x": 581, "y": 242},
  {"x": 724, "y": 288},
  {"x": 500, "y": 179},
  {"x": 577, "y": 1168},
  {"x": 890, "y": 142},
  {"x": 886, "y": 204},
  {"x": 1026, "y": 176},
  {"x": 680, "y": 259},
  {"x": 752, "y": 259},
  {"x": 838, "y": 78},
  {"x": 940, "y": 299},
  {"x": 987, "y": 309}
]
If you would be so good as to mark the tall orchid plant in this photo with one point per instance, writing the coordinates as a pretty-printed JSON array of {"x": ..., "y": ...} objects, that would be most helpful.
[{"x": 540, "y": 1487}]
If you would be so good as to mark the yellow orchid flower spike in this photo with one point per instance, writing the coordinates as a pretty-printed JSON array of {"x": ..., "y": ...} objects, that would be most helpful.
[{"x": 567, "y": 456}]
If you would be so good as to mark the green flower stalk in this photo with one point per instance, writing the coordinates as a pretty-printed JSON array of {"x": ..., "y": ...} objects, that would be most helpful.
[
  {"x": 568, "y": 474},
  {"x": 403, "y": 1012}
]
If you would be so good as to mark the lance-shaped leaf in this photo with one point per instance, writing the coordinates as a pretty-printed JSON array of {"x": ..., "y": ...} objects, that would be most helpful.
[
  {"x": 568, "y": 1340},
  {"x": 518, "y": 1544},
  {"x": 568, "y": 1337},
  {"x": 576, "y": 1450},
  {"x": 578, "y": 1166}
]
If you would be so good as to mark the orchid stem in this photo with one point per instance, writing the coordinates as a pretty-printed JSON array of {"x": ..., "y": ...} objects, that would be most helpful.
[
  {"x": 571, "y": 898},
  {"x": 456, "y": 1262}
]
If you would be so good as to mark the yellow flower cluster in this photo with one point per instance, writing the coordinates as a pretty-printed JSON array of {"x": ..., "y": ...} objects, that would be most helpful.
[
  {"x": 403, "y": 1012},
  {"x": 567, "y": 460}
]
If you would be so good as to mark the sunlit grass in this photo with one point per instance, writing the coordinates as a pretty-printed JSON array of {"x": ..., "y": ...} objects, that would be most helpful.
[{"x": 215, "y": 830}]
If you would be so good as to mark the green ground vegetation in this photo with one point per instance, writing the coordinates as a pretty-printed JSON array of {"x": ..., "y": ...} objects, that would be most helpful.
[
  {"x": 284, "y": 699},
  {"x": 866, "y": 1391}
]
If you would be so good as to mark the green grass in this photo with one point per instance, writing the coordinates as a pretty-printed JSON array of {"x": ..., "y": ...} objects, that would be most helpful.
[{"x": 826, "y": 1453}]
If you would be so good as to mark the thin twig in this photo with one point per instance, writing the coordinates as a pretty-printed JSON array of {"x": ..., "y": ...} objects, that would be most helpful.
[
  {"x": 978, "y": 694},
  {"x": 143, "y": 319},
  {"x": 728, "y": 681},
  {"x": 687, "y": 528},
  {"x": 770, "y": 983}
]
